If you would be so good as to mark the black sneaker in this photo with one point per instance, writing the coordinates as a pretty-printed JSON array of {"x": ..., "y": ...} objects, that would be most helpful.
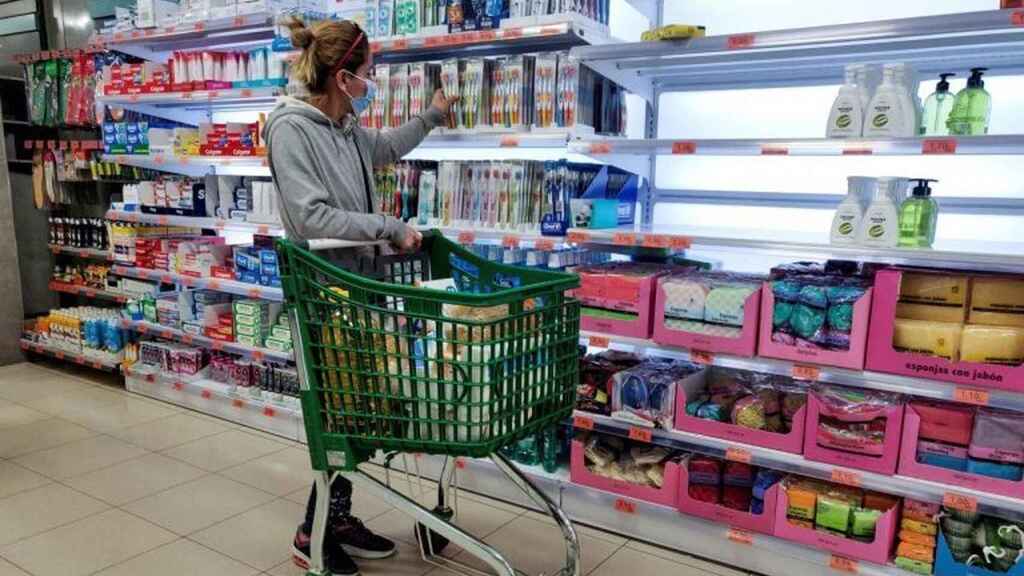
[
  {"x": 351, "y": 536},
  {"x": 337, "y": 562}
]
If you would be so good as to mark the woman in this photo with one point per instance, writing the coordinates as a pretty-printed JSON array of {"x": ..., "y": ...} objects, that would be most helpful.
[{"x": 322, "y": 162}]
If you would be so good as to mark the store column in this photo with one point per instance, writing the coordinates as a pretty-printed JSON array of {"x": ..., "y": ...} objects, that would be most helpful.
[{"x": 12, "y": 314}]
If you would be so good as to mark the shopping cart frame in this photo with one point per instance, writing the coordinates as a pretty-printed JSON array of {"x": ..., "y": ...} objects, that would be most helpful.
[{"x": 430, "y": 520}]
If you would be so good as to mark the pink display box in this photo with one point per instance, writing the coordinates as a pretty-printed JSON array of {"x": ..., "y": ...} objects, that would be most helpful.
[
  {"x": 883, "y": 358},
  {"x": 693, "y": 384},
  {"x": 637, "y": 291},
  {"x": 852, "y": 358},
  {"x": 666, "y": 495},
  {"x": 884, "y": 464},
  {"x": 763, "y": 523},
  {"x": 745, "y": 345},
  {"x": 909, "y": 466},
  {"x": 877, "y": 551}
]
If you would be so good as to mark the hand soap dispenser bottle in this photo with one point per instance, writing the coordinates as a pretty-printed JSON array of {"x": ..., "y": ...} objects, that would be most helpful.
[
  {"x": 918, "y": 217},
  {"x": 880, "y": 225},
  {"x": 846, "y": 222},
  {"x": 847, "y": 117},
  {"x": 937, "y": 108},
  {"x": 972, "y": 107},
  {"x": 885, "y": 115}
]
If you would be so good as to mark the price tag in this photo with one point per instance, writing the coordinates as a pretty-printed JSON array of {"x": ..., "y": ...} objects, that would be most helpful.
[
  {"x": 971, "y": 396},
  {"x": 150, "y": 378},
  {"x": 858, "y": 151},
  {"x": 740, "y": 536},
  {"x": 625, "y": 506},
  {"x": 467, "y": 237},
  {"x": 254, "y": 293},
  {"x": 187, "y": 281},
  {"x": 238, "y": 403},
  {"x": 263, "y": 229},
  {"x": 551, "y": 30},
  {"x": 136, "y": 34},
  {"x": 640, "y": 434},
  {"x": 578, "y": 237},
  {"x": 509, "y": 142},
  {"x": 510, "y": 241},
  {"x": 678, "y": 242},
  {"x": 599, "y": 341},
  {"x": 143, "y": 328},
  {"x": 167, "y": 279},
  {"x": 738, "y": 41},
  {"x": 741, "y": 455},
  {"x": 79, "y": 359},
  {"x": 200, "y": 26},
  {"x": 179, "y": 386},
  {"x": 269, "y": 412},
  {"x": 206, "y": 394},
  {"x": 774, "y": 151},
  {"x": 960, "y": 502},
  {"x": 238, "y": 22},
  {"x": 212, "y": 94},
  {"x": 656, "y": 241},
  {"x": 258, "y": 355},
  {"x": 1017, "y": 18},
  {"x": 460, "y": 463},
  {"x": 809, "y": 373},
  {"x": 544, "y": 244},
  {"x": 97, "y": 365},
  {"x": 432, "y": 41},
  {"x": 841, "y": 564},
  {"x": 149, "y": 32},
  {"x": 624, "y": 239},
  {"x": 118, "y": 36},
  {"x": 217, "y": 345},
  {"x": 848, "y": 477},
  {"x": 680, "y": 148},
  {"x": 187, "y": 339},
  {"x": 89, "y": 293},
  {"x": 185, "y": 95},
  {"x": 583, "y": 422},
  {"x": 512, "y": 33},
  {"x": 938, "y": 146},
  {"x": 167, "y": 335},
  {"x": 600, "y": 148},
  {"x": 400, "y": 44},
  {"x": 702, "y": 357},
  {"x": 213, "y": 284},
  {"x": 246, "y": 93}
]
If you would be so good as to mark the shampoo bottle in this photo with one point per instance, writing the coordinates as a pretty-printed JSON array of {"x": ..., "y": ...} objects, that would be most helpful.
[
  {"x": 880, "y": 225},
  {"x": 937, "y": 108},
  {"x": 847, "y": 117},
  {"x": 918, "y": 216},
  {"x": 972, "y": 107},
  {"x": 885, "y": 117},
  {"x": 849, "y": 214}
]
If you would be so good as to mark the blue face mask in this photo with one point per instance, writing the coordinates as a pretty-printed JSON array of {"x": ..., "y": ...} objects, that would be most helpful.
[{"x": 362, "y": 103}]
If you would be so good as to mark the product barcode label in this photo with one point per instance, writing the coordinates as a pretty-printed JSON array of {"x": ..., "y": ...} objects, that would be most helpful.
[{"x": 971, "y": 396}]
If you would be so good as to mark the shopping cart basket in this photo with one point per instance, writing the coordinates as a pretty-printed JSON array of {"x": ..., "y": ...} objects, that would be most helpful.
[{"x": 437, "y": 352}]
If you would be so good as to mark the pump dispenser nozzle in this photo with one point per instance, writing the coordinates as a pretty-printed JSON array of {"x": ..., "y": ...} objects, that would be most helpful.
[
  {"x": 943, "y": 85},
  {"x": 975, "y": 80},
  {"x": 921, "y": 187}
]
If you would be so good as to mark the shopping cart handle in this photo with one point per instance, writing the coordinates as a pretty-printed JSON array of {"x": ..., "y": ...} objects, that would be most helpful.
[{"x": 329, "y": 244}]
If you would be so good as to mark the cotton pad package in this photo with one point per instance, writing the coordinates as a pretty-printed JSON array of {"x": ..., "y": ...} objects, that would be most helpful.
[{"x": 707, "y": 302}]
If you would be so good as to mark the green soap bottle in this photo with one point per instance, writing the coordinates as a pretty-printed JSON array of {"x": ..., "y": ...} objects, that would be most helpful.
[
  {"x": 972, "y": 107},
  {"x": 918, "y": 216}
]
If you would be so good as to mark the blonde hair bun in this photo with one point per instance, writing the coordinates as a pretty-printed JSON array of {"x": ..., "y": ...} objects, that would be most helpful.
[{"x": 302, "y": 36}]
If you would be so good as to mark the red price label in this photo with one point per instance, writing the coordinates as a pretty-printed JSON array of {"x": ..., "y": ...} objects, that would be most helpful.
[
  {"x": 738, "y": 41},
  {"x": 167, "y": 279},
  {"x": 702, "y": 357},
  {"x": 161, "y": 220},
  {"x": 656, "y": 241},
  {"x": 238, "y": 403},
  {"x": 400, "y": 44},
  {"x": 842, "y": 564},
  {"x": 509, "y": 142},
  {"x": 640, "y": 434},
  {"x": 679, "y": 242},
  {"x": 59, "y": 355},
  {"x": 600, "y": 148},
  {"x": 599, "y": 341},
  {"x": 971, "y": 396},
  {"x": 185, "y": 95},
  {"x": 510, "y": 241},
  {"x": 238, "y": 21},
  {"x": 741, "y": 455},
  {"x": 460, "y": 463},
  {"x": 848, "y": 477},
  {"x": 467, "y": 237},
  {"x": 200, "y": 26},
  {"x": 487, "y": 35},
  {"x": 212, "y": 94},
  {"x": 577, "y": 237},
  {"x": 150, "y": 378},
  {"x": 433, "y": 41},
  {"x": 1017, "y": 18},
  {"x": 136, "y": 34},
  {"x": 97, "y": 365},
  {"x": 858, "y": 151},
  {"x": 583, "y": 422},
  {"x": 512, "y": 33},
  {"x": 939, "y": 146},
  {"x": 206, "y": 394},
  {"x": 684, "y": 148},
  {"x": 246, "y": 93},
  {"x": 774, "y": 151},
  {"x": 80, "y": 359},
  {"x": 213, "y": 284},
  {"x": 740, "y": 536},
  {"x": 810, "y": 373},
  {"x": 254, "y": 293},
  {"x": 179, "y": 386},
  {"x": 187, "y": 339},
  {"x": 269, "y": 412},
  {"x": 263, "y": 229},
  {"x": 167, "y": 335},
  {"x": 217, "y": 345},
  {"x": 187, "y": 281},
  {"x": 960, "y": 502},
  {"x": 258, "y": 355},
  {"x": 625, "y": 506},
  {"x": 544, "y": 244},
  {"x": 624, "y": 239},
  {"x": 143, "y": 328}
]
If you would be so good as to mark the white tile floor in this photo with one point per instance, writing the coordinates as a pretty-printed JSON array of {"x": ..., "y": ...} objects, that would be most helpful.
[{"x": 97, "y": 481}]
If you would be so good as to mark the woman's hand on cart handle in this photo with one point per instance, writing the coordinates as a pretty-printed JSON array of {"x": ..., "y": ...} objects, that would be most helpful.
[
  {"x": 410, "y": 240},
  {"x": 330, "y": 243}
]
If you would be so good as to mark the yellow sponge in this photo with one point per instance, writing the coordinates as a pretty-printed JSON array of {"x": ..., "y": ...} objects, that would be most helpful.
[
  {"x": 992, "y": 345},
  {"x": 940, "y": 339},
  {"x": 997, "y": 302},
  {"x": 932, "y": 312},
  {"x": 933, "y": 289}
]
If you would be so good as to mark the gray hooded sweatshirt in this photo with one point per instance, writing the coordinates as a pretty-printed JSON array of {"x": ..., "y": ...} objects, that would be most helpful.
[{"x": 323, "y": 171}]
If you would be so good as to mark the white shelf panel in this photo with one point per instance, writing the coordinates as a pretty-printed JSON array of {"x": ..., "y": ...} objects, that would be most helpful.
[
  {"x": 814, "y": 55},
  {"x": 82, "y": 358},
  {"x": 167, "y": 333},
  {"x": 797, "y": 464},
  {"x": 217, "y": 32},
  {"x": 195, "y": 165},
  {"x": 254, "y": 291},
  {"x": 281, "y": 415},
  {"x": 471, "y": 234},
  {"x": 87, "y": 292},
  {"x": 82, "y": 252},
  {"x": 194, "y": 222}
]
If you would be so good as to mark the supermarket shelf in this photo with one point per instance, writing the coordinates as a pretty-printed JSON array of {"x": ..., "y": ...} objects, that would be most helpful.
[
  {"x": 486, "y": 137},
  {"x": 516, "y": 35},
  {"x": 216, "y": 284},
  {"x": 471, "y": 234},
  {"x": 483, "y": 477},
  {"x": 282, "y": 416},
  {"x": 61, "y": 354},
  {"x": 654, "y": 523},
  {"x": 195, "y": 166},
  {"x": 194, "y": 222},
  {"x": 921, "y": 387},
  {"x": 967, "y": 145},
  {"x": 167, "y": 333},
  {"x": 81, "y": 252},
  {"x": 959, "y": 254},
  {"x": 814, "y": 55},
  {"x": 193, "y": 98},
  {"x": 797, "y": 464},
  {"x": 151, "y": 43},
  {"x": 87, "y": 292}
]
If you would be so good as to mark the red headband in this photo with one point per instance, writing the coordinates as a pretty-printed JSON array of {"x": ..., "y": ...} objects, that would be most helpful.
[{"x": 348, "y": 54}]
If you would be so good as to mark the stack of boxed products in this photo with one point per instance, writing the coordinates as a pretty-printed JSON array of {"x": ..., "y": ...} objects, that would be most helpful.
[
  {"x": 204, "y": 70},
  {"x": 260, "y": 323},
  {"x": 554, "y": 259},
  {"x": 128, "y": 132},
  {"x": 196, "y": 363},
  {"x": 230, "y": 198},
  {"x": 95, "y": 333}
]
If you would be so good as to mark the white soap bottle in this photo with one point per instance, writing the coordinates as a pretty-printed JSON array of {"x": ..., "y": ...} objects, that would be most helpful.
[
  {"x": 885, "y": 117},
  {"x": 906, "y": 80},
  {"x": 880, "y": 225},
  {"x": 847, "y": 117},
  {"x": 846, "y": 222}
]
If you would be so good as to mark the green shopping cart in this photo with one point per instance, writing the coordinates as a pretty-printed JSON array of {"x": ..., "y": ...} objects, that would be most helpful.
[{"x": 438, "y": 352}]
